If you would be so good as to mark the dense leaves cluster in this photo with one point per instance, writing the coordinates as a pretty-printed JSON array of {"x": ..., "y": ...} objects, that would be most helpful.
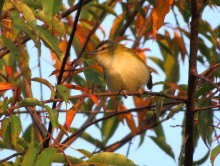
[{"x": 58, "y": 26}]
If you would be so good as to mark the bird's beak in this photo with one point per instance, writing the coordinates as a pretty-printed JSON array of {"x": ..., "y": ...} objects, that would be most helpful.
[{"x": 91, "y": 52}]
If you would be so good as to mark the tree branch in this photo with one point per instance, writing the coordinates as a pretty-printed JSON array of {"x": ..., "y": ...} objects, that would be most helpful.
[
  {"x": 192, "y": 82},
  {"x": 67, "y": 53}
]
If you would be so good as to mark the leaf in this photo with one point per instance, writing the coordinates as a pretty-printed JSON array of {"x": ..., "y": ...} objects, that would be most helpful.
[
  {"x": 110, "y": 158},
  {"x": 47, "y": 83},
  {"x": 70, "y": 114},
  {"x": 164, "y": 146},
  {"x": 49, "y": 40},
  {"x": 53, "y": 115},
  {"x": 215, "y": 151},
  {"x": 30, "y": 155},
  {"x": 202, "y": 160},
  {"x": 12, "y": 48},
  {"x": 51, "y": 7},
  {"x": 129, "y": 119},
  {"x": 118, "y": 22},
  {"x": 161, "y": 8},
  {"x": 60, "y": 158},
  {"x": 217, "y": 2},
  {"x": 104, "y": 7},
  {"x": 9, "y": 70},
  {"x": 205, "y": 120},
  {"x": 93, "y": 98},
  {"x": 46, "y": 157},
  {"x": 180, "y": 44},
  {"x": 6, "y": 86},
  {"x": 159, "y": 106},
  {"x": 26, "y": 12},
  {"x": 15, "y": 132},
  {"x": 63, "y": 92},
  {"x": 108, "y": 128},
  {"x": 85, "y": 153},
  {"x": 6, "y": 132}
]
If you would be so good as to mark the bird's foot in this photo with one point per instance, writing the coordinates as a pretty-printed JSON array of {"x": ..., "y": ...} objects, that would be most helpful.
[{"x": 123, "y": 92}]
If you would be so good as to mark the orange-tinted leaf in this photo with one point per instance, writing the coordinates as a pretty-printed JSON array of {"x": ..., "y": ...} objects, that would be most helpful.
[
  {"x": 141, "y": 102},
  {"x": 93, "y": 98},
  {"x": 76, "y": 87},
  {"x": 160, "y": 10},
  {"x": 70, "y": 114},
  {"x": 5, "y": 86},
  {"x": 129, "y": 119},
  {"x": 114, "y": 29},
  {"x": 180, "y": 44},
  {"x": 9, "y": 70},
  {"x": 96, "y": 67}
]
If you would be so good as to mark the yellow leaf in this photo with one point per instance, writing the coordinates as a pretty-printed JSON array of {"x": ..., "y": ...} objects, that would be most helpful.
[{"x": 160, "y": 10}]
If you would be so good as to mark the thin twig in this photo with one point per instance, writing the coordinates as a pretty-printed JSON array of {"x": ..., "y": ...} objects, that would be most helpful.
[{"x": 11, "y": 156}]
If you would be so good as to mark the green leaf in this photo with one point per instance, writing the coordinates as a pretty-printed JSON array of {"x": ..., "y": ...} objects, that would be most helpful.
[
  {"x": 15, "y": 131},
  {"x": 6, "y": 132},
  {"x": 104, "y": 7},
  {"x": 63, "y": 92},
  {"x": 85, "y": 153},
  {"x": 33, "y": 3},
  {"x": 174, "y": 110},
  {"x": 214, "y": 154},
  {"x": 108, "y": 128},
  {"x": 46, "y": 157},
  {"x": 30, "y": 135},
  {"x": 60, "y": 158},
  {"x": 26, "y": 12},
  {"x": 53, "y": 115},
  {"x": 49, "y": 40},
  {"x": 51, "y": 7},
  {"x": 202, "y": 160},
  {"x": 94, "y": 79},
  {"x": 110, "y": 158},
  {"x": 47, "y": 83},
  {"x": 205, "y": 120},
  {"x": 30, "y": 155},
  {"x": 159, "y": 106},
  {"x": 54, "y": 24},
  {"x": 164, "y": 146},
  {"x": 217, "y": 2},
  {"x": 12, "y": 47}
]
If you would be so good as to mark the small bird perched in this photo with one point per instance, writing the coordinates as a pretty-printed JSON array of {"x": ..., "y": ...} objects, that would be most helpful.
[{"x": 123, "y": 68}]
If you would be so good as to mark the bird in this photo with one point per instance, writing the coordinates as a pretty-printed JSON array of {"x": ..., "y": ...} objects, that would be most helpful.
[{"x": 123, "y": 69}]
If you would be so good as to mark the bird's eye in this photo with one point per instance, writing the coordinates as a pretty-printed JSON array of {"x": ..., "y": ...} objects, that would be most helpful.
[{"x": 104, "y": 48}]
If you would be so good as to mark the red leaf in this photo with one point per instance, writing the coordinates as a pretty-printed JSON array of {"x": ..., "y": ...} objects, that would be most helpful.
[{"x": 9, "y": 70}]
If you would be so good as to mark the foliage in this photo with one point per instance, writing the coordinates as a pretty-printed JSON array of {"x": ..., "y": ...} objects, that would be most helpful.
[{"x": 79, "y": 85}]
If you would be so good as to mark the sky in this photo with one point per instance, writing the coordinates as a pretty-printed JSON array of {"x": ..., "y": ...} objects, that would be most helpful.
[{"x": 149, "y": 154}]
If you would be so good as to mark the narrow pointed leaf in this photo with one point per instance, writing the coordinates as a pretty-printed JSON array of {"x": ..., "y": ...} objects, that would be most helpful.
[
  {"x": 46, "y": 157},
  {"x": 111, "y": 159},
  {"x": 47, "y": 83},
  {"x": 30, "y": 155}
]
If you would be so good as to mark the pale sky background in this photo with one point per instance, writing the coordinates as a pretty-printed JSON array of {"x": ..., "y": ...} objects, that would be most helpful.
[{"x": 149, "y": 154}]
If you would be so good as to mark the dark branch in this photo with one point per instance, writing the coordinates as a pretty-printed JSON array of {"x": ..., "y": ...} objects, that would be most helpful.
[
  {"x": 192, "y": 82},
  {"x": 46, "y": 142}
]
